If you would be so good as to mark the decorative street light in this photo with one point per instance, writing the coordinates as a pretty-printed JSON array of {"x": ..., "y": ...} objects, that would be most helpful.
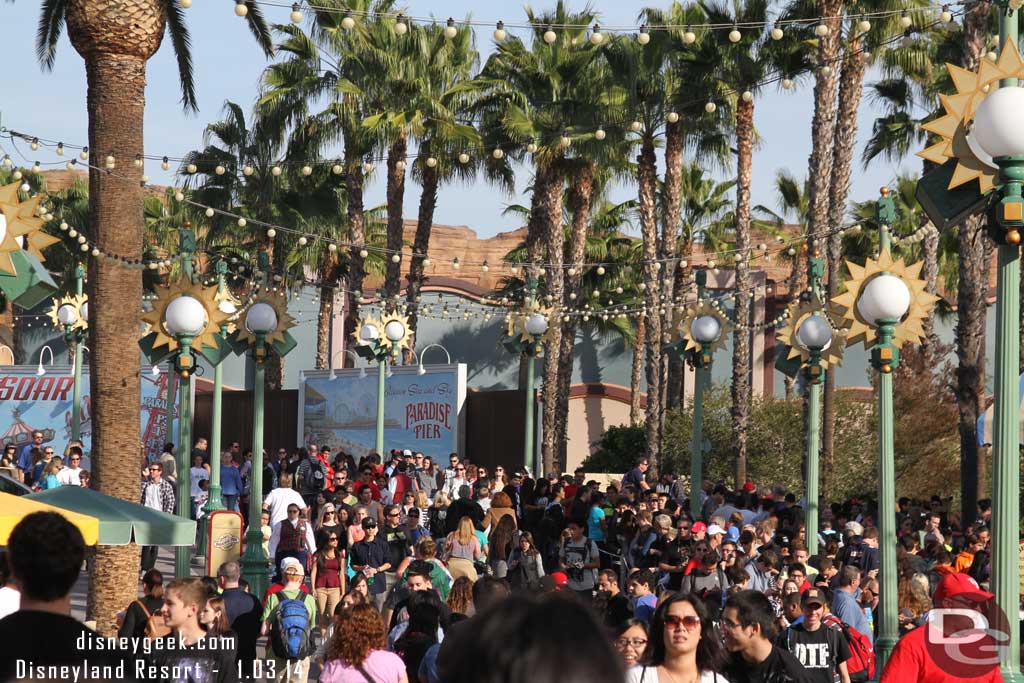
[
  {"x": 70, "y": 314},
  {"x": 23, "y": 279},
  {"x": 702, "y": 331},
  {"x": 525, "y": 333},
  {"x": 885, "y": 305},
  {"x": 185, "y": 320},
  {"x": 422, "y": 370},
  {"x": 40, "y": 370},
  {"x": 985, "y": 114},
  {"x": 355, "y": 359},
  {"x": 380, "y": 341},
  {"x": 265, "y": 323}
]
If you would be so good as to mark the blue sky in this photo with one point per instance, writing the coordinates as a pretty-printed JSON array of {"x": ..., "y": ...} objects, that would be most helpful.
[{"x": 228, "y": 66}]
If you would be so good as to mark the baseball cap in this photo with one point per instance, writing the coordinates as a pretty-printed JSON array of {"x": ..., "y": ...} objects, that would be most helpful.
[
  {"x": 813, "y": 596},
  {"x": 749, "y": 487},
  {"x": 959, "y": 584},
  {"x": 561, "y": 580},
  {"x": 292, "y": 565},
  {"x": 698, "y": 527},
  {"x": 715, "y": 529},
  {"x": 369, "y": 523},
  {"x": 855, "y": 528},
  {"x": 406, "y": 452}
]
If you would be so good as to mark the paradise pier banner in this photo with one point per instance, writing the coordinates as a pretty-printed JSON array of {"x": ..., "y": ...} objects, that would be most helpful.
[
  {"x": 421, "y": 412},
  {"x": 30, "y": 401}
]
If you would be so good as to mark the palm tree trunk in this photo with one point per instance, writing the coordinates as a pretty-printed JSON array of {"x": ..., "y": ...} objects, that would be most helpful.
[
  {"x": 636, "y": 373},
  {"x": 116, "y": 103},
  {"x": 851, "y": 83},
  {"x": 647, "y": 175},
  {"x": 675, "y": 378},
  {"x": 356, "y": 236},
  {"x": 670, "y": 216},
  {"x": 396, "y": 196},
  {"x": 328, "y": 288},
  {"x": 740, "y": 388},
  {"x": 823, "y": 123},
  {"x": 578, "y": 197},
  {"x": 930, "y": 273},
  {"x": 974, "y": 250},
  {"x": 551, "y": 210},
  {"x": 424, "y": 223}
]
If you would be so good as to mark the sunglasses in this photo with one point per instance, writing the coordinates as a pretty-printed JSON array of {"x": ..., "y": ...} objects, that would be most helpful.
[
  {"x": 155, "y": 469},
  {"x": 332, "y": 538},
  {"x": 460, "y": 469},
  {"x": 690, "y": 622},
  {"x": 393, "y": 514},
  {"x": 328, "y": 513},
  {"x": 47, "y": 452}
]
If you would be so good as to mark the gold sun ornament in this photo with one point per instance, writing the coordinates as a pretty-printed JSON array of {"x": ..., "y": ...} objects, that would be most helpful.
[
  {"x": 911, "y": 328},
  {"x": 684, "y": 326},
  {"x": 278, "y": 302},
  {"x": 955, "y": 126},
  {"x": 76, "y": 302},
  {"x": 799, "y": 311},
  {"x": 372, "y": 322},
  {"x": 515, "y": 324},
  {"x": 22, "y": 226},
  {"x": 207, "y": 296}
]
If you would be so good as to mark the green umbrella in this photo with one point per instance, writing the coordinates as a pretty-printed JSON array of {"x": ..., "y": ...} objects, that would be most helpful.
[{"x": 121, "y": 522}]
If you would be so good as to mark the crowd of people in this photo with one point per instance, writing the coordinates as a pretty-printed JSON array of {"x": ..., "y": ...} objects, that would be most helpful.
[{"x": 400, "y": 569}]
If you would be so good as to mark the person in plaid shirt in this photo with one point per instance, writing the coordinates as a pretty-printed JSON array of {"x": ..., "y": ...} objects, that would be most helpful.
[{"x": 157, "y": 493}]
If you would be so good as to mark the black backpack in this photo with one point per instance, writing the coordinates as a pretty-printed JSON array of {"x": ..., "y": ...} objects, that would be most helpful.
[{"x": 314, "y": 479}]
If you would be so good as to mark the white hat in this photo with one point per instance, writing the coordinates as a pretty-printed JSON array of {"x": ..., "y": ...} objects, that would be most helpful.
[
  {"x": 406, "y": 452},
  {"x": 715, "y": 529},
  {"x": 855, "y": 528},
  {"x": 291, "y": 563}
]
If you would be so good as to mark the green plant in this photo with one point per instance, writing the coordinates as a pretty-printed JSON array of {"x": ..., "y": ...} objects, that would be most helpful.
[{"x": 618, "y": 450}]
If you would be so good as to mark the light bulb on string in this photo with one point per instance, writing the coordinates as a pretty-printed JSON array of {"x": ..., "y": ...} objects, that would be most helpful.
[
  {"x": 710, "y": 107},
  {"x": 532, "y": 148},
  {"x": 500, "y": 34},
  {"x": 337, "y": 169},
  {"x": 747, "y": 96},
  {"x": 777, "y": 33},
  {"x": 241, "y": 222},
  {"x": 596, "y": 37},
  {"x": 241, "y": 9},
  {"x": 498, "y": 153},
  {"x": 863, "y": 25},
  {"x": 450, "y": 31},
  {"x": 400, "y": 26},
  {"x": 550, "y": 36},
  {"x": 219, "y": 170},
  {"x": 60, "y": 149},
  {"x": 210, "y": 213},
  {"x": 463, "y": 158},
  {"x": 431, "y": 162},
  {"x": 821, "y": 30},
  {"x": 348, "y": 23},
  {"x": 689, "y": 37},
  {"x": 946, "y": 16},
  {"x": 636, "y": 126},
  {"x": 734, "y": 35},
  {"x": 643, "y": 37},
  {"x": 307, "y": 170},
  {"x": 296, "y": 15},
  {"x": 600, "y": 134},
  {"x": 271, "y": 233},
  {"x": 191, "y": 169},
  {"x": 787, "y": 84},
  {"x": 165, "y": 164},
  {"x": 905, "y": 20},
  {"x": 34, "y": 145}
]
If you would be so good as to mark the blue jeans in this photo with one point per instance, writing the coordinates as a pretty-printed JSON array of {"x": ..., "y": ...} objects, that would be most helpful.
[{"x": 230, "y": 501}]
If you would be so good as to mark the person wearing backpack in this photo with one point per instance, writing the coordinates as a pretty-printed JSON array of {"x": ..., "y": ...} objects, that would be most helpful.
[
  {"x": 143, "y": 618},
  {"x": 310, "y": 478},
  {"x": 288, "y": 618},
  {"x": 822, "y": 649}
]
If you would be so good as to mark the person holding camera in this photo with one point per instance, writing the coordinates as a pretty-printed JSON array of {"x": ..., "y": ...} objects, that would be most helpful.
[{"x": 579, "y": 559}]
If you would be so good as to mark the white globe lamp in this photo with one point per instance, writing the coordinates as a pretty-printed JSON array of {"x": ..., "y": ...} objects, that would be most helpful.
[
  {"x": 996, "y": 128},
  {"x": 185, "y": 316},
  {"x": 885, "y": 297},
  {"x": 261, "y": 318},
  {"x": 536, "y": 324},
  {"x": 394, "y": 331},
  {"x": 369, "y": 333},
  {"x": 227, "y": 307},
  {"x": 814, "y": 333},
  {"x": 67, "y": 315},
  {"x": 706, "y": 329}
]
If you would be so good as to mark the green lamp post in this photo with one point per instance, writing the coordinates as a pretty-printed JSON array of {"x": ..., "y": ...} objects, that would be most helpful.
[
  {"x": 380, "y": 341},
  {"x": 265, "y": 323},
  {"x": 525, "y": 334},
  {"x": 885, "y": 305},
  {"x": 185, "y": 320},
  {"x": 70, "y": 314},
  {"x": 229, "y": 306},
  {"x": 701, "y": 334}
]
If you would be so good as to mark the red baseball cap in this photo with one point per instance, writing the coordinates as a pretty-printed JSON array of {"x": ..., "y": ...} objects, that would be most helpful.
[
  {"x": 749, "y": 487},
  {"x": 959, "y": 584},
  {"x": 699, "y": 527},
  {"x": 561, "y": 580}
]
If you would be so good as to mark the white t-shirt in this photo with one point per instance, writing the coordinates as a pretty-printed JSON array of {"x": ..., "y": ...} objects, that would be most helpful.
[
  {"x": 69, "y": 476},
  {"x": 196, "y": 475},
  {"x": 10, "y": 601},
  {"x": 278, "y": 501},
  {"x": 649, "y": 674}
]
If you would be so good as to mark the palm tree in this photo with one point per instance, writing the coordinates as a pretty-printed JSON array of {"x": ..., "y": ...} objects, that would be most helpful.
[
  {"x": 321, "y": 92},
  {"x": 743, "y": 65},
  {"x": 116, "y": 39},
  {"x": 536, "y": 96}
]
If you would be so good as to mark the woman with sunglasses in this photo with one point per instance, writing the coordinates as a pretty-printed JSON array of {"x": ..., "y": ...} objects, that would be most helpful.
[
  {"x": 328, "y": 577},
  {"x": 328, "y": 522},
  {"x": 682, "y": 646}
]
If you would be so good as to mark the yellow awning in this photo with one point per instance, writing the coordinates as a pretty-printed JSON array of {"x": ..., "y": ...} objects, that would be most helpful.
[{"x": 14, "y": 508}]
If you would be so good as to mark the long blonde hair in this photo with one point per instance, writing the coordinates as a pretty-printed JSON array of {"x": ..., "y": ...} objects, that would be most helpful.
[{"x": 465, "y": 533}]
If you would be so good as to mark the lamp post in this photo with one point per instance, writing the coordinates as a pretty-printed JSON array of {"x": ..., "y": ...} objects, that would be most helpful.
[
  {"x": 229, "y": 307},
  {"x": 265, "y": 323},
  {"x": 70, "y": 314},
  {"x": 379, "y": 341},
  {"x": 998, "y": 133},
  {"x": 814, "y": 335},
  {"x": 535, "y": 325}
]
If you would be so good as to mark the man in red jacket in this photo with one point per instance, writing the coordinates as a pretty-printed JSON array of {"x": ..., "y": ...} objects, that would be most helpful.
[{"x": 957, "y": 643}]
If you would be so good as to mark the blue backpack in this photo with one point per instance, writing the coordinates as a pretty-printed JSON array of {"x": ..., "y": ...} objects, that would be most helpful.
[{"x": 290, "y": 635}]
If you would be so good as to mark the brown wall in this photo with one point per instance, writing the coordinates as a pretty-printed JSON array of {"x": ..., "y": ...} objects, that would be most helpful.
[
  {"x": 280, "y": 418},
  {"x": 494, "y": 427}
]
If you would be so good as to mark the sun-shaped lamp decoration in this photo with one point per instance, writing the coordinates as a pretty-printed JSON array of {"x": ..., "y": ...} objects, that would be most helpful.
[
  {"x": 962, "y": 139},
  {"x": 23, "y": 279},
  {"x": 528, "y": 329},
  {"x": 862, "y": 319},
  {"x": 804, "y": 330},
  {"x": 378, "y": 339},
  {"x": 266, "y": 322},
  {"x": 185, "y": 317},
  {"x": 702, "y": 330},
  {"x": 70, "y": 315}
]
